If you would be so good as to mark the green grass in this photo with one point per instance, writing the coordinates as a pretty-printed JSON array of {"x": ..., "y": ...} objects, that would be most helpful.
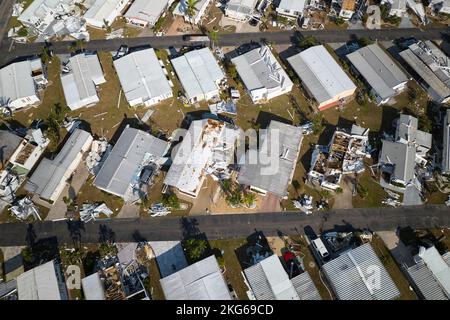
[
  {"x": 375, "y": 195},
  {"x": 393, "y": 269},
  {"x": 233, "y": 268}
]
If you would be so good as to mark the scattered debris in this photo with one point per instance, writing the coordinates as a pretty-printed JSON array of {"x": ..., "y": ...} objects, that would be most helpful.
[
  {"x": 25, "y": 208},
  {"x": 158, "y": 210},
  {"x": 447, "y": 203},
  {"x": 391, "y": 202},
  {"x": 307, "y": 128},
  {"x": 223, "y": 107},
  {"x": 304, "y": 203},
  {"x": 116, "y": 34},
  {"x": 99, "y": 152},
  {"x": 93, "y": 211}
]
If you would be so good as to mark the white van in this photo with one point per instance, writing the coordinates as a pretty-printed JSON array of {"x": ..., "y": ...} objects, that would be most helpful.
[{"x": 321, "y": 249}]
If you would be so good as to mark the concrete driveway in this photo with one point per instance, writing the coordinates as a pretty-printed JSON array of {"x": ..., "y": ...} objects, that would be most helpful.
[
  {"x": 129, "y": 211},
  {"x": 400, "y": 252},
  {"x": 59, "y": 208}
]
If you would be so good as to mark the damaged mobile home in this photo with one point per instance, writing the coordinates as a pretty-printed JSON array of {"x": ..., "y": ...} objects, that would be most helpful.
[
  {"x": 207, "y": 149},
  {"x": 344, "y": 155}
]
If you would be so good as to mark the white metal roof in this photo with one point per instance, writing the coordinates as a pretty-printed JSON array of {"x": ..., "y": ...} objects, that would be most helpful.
[
  {"x": 16, "y": 81},
  {"x": 93, "y": 288},
  {"x": 292, "y": 5},
  {"x": 241, "y": 6},
  {"x": 49, "y": 173},
  {"x": 320, "y": 73},
  {"x": 359, "y": 275},
  {"x": 379, "y": 70},
  {"x": 198, "y": 71},
  {"x": 269, "y": 281},
  {"x": 259, "y": 68},
  {"x": 102, "y": 9},
  {"x": 141, "y": 75},
  {"x": 202, "y": 280},
  {"x": 39, "y": 283},
  {"x": 124, "y": 164},
  {"x": 148, "y": 11},
  {"x": 79, "y": 85}
]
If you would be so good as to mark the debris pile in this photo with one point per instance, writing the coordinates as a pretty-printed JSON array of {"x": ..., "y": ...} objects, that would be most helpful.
[
  {"x": 93, "y": 211},
  {"x": 98, "y": 154},
  {"x": 344, "y": 155},
  {"x": 304, "y": 203},
  {"x": 25, "y": 208},
  {"x": 158, "y": 210},
  {"x": 223, "y": 107}
]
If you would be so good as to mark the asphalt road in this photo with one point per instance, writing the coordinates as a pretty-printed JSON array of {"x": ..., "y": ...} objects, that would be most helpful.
[
  {"x": 9, "y": 53},
  {"x": 226, "y": 226},
  {"x": 6, "y": 8}
]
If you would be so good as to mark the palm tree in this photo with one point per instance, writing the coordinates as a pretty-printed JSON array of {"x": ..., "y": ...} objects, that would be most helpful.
[
  {"x": 78, "y": 45},
  {"x": 190, "y": 10},
  {"x": 195, "y": 248},
  {"x": 214, "y": 36}
]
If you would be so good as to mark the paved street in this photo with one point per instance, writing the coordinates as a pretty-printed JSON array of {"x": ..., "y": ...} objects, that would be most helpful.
[
  {"x": 6, "y": 8},
  {"x": 226, "y": 226},
  {"x": 233, "y": 39}
]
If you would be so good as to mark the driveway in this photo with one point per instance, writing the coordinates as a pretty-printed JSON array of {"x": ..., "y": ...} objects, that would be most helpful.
[
  {"x": 400, "y": 252},
  {"x": 59, "y": 208},
  {"x": 129, "y": 211},
  {"x": 344, "y": 200}
]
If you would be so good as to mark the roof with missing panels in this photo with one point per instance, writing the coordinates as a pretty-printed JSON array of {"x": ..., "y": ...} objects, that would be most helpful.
[
  {"x": 378, "y": 69},
  {"x": 276, "y": 176},
  {"x": 351, "y": 276},
  {"x": 258, "y": 69},
  {"x": 141, "y": 75},
  {"x": 432, "y": 275},
  {"x": 198, "y": 72},
  {"x": 202, "y": 280},
  {"x": 407, "y": 131},
  {"x": 124, "y": 161},
  {"x": 320, "y": 73}
]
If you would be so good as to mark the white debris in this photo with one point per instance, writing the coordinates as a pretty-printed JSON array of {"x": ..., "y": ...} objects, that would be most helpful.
[
  {"x": 17, "y": 9},
  {"x": 99, "y": 150},
  {"x": 92, "y": 211},
  {"x": 25, "y": 208},
  {"x": 71, "y": 124},
  {"x": 305, "y": 204},
  {"x": 158, "y": 210},
  {"x": 307, "y": 128},
  {"x": 391, "y": 202},
  {"x": 447, "y": 203},
  {"x": 223, "y": 107},
  {"x": 116, "y": 34}
]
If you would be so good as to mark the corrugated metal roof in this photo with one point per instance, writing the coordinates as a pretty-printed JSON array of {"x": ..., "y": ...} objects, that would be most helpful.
[
  {"x": 275, "y": 176},
  {"x": 148, "y": 11},
  {"x": 241, "y": 6},
  {"x": 102, "y": 10},
  {"x": 439, "y": 267},
  {"x": 259, "y": 69},
  {"x": 320, "y": 73},
  {"x": 353, "y": 276},
  {"x": 419, "y": 61},
  {"x": 427, "y": 281},
  {"x": 199, "y": 73},
  {"x": 93, "y": 288},
  {"x": 202, "y": 280},
  {"x": 378, "y": 69},
  {"x": 125, "y": 159},
  {"x": 79, "y": 85},
  {"x": 141, "y": 76},
  {"x": 269, "y": 281},
  {"x": 49, "y": 173},
  {"x": 305, "y": 287},
  {"x": 7, "y": 287},
  {"x": 40, "y": 283}
]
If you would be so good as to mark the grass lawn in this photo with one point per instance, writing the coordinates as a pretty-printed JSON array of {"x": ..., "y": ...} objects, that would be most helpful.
[
  {"x": 233, "y": 267},
  {"x": 152, "y": 284},
  {"x": 375, "y": 195},
  {"x": 120, "y": 23},
  {"x": 89, "y": 194},
  {"x": 394, "y": 271}
]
